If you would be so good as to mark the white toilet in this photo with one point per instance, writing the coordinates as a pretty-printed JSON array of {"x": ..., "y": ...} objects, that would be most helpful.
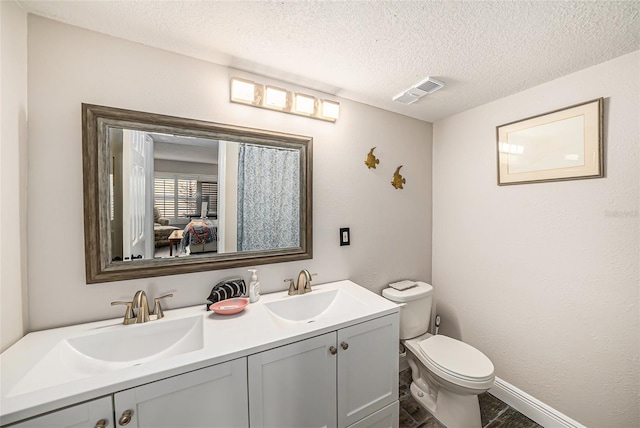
[{"x": 447, "y": 374}]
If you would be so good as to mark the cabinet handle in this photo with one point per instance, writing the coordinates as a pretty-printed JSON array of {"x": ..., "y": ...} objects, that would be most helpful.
[
  {"x": 333, "y": 350},
  {"x": 102, "y": 423},
  {"x": 344, "y": 345},
  {"x": 125, "y": 418}
]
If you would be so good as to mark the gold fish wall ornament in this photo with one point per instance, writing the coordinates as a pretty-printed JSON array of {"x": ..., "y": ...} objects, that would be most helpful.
[
  {"x": 371, "y": 161},
  {"x": 398, "y": 180}
]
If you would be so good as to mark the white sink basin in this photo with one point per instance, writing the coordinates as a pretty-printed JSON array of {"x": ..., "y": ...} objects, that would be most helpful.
[
  {"x": 131, "y": 345},
  {"x": 312, "y": 306}
]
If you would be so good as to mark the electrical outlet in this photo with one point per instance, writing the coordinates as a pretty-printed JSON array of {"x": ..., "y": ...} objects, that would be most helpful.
[{"x": 345, "y": 236}]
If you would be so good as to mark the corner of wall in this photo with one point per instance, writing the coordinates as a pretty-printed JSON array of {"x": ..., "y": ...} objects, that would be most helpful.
[{"x": 13, "y": 160}]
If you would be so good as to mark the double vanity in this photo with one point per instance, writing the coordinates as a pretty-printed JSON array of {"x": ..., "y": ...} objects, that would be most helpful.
[{"x": 326, "y": 358}]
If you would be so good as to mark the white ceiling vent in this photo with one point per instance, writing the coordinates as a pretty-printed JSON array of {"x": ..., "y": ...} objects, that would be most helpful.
[
  {"x": 429, "y": 85},
  {"x": 413, "y": 94},
  {"x": 407, "y": 98}
]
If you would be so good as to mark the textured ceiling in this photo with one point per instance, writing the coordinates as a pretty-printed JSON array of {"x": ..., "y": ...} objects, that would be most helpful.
[{"x": 371, "y": 51}]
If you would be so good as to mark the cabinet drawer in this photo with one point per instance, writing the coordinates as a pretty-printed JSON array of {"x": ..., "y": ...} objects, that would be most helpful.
[
  {"x": 79, "y": 416},
  {"x": 384, "y": 418}
]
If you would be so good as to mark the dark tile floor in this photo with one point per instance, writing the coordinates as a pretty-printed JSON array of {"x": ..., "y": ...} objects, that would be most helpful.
[{"x": 494, "y": 413}]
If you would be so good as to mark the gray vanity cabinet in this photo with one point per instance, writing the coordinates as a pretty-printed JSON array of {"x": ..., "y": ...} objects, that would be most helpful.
[
  {"x": 344, "y": 378},
  {"x": 215, "y": 396}
]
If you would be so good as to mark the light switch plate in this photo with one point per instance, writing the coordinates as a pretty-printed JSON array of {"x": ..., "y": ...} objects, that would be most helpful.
[{"x": 345, "y": 236}]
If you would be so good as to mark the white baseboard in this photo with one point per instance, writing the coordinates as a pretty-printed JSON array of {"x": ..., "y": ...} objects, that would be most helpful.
[{"x": 531, "y": 407}]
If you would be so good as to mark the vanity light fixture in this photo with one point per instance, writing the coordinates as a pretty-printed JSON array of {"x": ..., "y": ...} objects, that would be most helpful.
[
  {"x": 244, "y": 91},
  {"x": 276, "y": 98},
  {"x": 273, "y": 98},
  {"x": 330, "y": 109},
  {"x": 304, "y": 104}
]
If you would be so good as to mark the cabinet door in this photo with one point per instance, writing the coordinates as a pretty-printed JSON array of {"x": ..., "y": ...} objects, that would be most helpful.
[
  {"x": 294, "y": 385},
  {"x": 215, "y": 396},
  {"x": 85, "y": 415},
  {"x": 367, "y": 368}
]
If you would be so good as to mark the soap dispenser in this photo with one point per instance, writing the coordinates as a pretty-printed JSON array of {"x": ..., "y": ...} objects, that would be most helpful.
[{"x": 254, "y": 286}]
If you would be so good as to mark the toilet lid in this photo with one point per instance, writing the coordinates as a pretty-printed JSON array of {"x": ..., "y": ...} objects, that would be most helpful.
[
  {"x": 419, "y": 291},
  {"x": 457, "y": 359}
]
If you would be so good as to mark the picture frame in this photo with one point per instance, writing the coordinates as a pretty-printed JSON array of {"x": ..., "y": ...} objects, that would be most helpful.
[{"x": 564, "y": 144}]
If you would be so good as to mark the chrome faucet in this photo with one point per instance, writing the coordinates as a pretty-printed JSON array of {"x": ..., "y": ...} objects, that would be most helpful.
[
  {"x": 138, "y": 309},
  {"x": 303, "y": 284}
]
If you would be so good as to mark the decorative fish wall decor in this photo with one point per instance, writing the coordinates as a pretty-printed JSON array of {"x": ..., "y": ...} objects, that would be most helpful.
[
  {"x": 398, "y": 180},
  {"x": 371, "y": 161}
]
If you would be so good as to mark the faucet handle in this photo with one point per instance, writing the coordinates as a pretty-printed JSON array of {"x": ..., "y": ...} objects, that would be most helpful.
[
  {"x": 157, "y": 308},
  {"x": 129, "y": 318},
  {"x": 292, "y": 287}
]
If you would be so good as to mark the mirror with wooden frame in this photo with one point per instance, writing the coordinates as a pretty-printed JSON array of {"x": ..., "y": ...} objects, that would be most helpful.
[{"x": 166, "y": 195}]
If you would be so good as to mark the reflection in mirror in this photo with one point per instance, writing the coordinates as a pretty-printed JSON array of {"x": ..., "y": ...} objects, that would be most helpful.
[
  {"x": 164, "y": 196},
  {"x": 174, "y": 195}
]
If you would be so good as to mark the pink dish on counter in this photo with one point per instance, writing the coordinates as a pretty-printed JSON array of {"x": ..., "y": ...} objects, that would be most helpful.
[{"x": 229, "y": 306}]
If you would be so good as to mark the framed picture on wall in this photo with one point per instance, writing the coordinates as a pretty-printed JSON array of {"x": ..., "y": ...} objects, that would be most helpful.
[{"x": 565, "y": 144}]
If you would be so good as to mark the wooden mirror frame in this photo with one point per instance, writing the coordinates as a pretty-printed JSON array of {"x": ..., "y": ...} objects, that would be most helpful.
[{"x": 95, "y": 157}]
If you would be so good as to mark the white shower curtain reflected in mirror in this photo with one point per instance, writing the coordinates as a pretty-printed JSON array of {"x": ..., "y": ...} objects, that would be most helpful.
[{"x": 268, "y": 198}]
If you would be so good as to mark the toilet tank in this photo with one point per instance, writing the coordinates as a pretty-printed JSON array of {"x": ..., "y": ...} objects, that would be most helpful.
[{"x": 415, "y": 312}]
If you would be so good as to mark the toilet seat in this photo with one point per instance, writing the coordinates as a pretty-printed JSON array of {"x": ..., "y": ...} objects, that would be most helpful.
[{"x": 456, "y": 362}]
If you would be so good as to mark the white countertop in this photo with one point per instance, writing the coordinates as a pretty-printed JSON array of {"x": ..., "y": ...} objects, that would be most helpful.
[{"x": 34, "y": 380}]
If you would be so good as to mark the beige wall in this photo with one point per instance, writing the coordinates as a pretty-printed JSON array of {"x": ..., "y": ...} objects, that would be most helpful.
[
  {"x": 13, "y": 170},
  {"x": 391, "y": 229},
  {"x": 544, "y": 277}
]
